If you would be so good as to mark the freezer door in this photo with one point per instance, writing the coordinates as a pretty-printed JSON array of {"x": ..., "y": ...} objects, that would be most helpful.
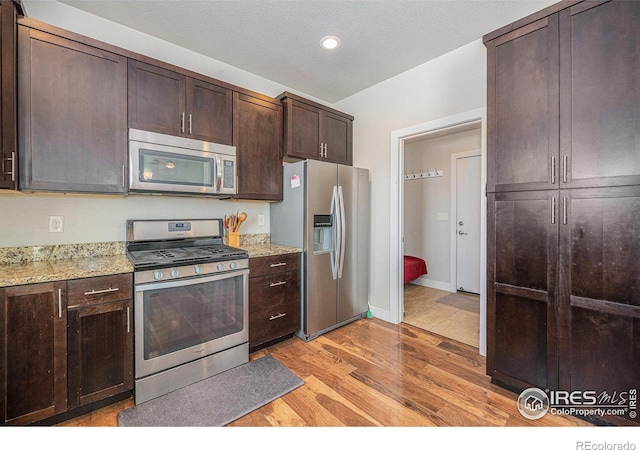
[
  {"x": 353, "y": 284},
  {"x": 319, "y": 307}
]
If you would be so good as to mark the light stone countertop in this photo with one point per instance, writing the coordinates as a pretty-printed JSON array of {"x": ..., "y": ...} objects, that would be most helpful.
[
  {"x": 62, "y": 269},
  {"x": 258, "y": 250},
  {"x": 20, "y": 266}
]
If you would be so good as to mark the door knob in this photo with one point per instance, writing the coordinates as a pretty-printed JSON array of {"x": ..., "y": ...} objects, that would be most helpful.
[
  {"x": 461, "y": 233},
  {"x": 461, "y": 223}
]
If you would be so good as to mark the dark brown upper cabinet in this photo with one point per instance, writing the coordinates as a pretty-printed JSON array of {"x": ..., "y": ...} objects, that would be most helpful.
[
  {"x": 522, "y": 106},
  {"x": 563, "y": 97},
  {"x": 257, "y": 136},
  {"x": 164, "y": 101},
  {"x": 314, "y": 131},
  {"x": 72, "y": 105},
  {"x": 600, "y": 94},
  {"x": 8, "y": 96}
]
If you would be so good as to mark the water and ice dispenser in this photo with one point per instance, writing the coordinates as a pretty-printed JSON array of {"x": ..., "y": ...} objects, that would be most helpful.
[{"x": 322, "y": 233}]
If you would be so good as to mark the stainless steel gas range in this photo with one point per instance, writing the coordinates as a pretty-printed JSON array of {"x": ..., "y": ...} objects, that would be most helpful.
[{"x": 190, "y": 303}]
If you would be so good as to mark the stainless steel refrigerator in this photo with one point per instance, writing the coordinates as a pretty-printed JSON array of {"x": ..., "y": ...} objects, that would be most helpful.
[{"x": 326, "y": 211}]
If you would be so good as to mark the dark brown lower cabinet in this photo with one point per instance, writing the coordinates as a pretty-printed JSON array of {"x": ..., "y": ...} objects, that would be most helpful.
[
  {"x": 522, "y": 285},
  {"x": 274, "y": 298},
  {"x": 33, "y": 352},
  {"x": 100, "y": 338},
  {"x": 599, "y": 338},
  {"x": 564, "y": 293}
]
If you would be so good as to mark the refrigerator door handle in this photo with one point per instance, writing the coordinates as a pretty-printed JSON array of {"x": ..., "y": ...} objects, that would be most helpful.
[
  {"x": 343, "y": 239},
  {"x": 334, "y": 252}
]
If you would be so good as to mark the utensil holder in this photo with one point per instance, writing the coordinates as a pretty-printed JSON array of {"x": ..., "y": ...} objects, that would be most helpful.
[{"x": 233, "y": 238}]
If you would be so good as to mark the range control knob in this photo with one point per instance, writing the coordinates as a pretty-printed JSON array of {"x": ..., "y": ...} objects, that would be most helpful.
[
  {"x": 157, "y": 275},
  {"x": 220, "y": 266},
  {"x": 174, "y": 273},
  {"x": 233, "y": 265},
  {"x": 198, "y": 269}
]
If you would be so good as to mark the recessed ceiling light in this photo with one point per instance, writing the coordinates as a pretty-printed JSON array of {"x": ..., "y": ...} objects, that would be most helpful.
[{"x": 330, "y": 42}]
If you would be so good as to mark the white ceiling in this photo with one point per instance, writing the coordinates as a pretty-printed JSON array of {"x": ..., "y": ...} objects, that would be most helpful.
[{"x": 279, "y": 39}]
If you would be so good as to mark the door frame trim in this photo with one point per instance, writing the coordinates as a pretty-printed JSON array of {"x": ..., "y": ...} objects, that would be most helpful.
[
  {"x": 396, "y": 212},
  {"x": 453, "y": 258}
]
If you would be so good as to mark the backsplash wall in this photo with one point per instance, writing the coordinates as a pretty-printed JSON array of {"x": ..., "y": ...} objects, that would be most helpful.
[{"x": 24, "y": 218}]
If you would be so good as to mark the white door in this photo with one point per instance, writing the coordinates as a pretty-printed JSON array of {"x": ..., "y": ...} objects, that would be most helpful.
[{"x": 468, "y": 224}]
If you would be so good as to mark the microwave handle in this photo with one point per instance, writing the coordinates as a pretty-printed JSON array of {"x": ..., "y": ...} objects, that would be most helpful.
[{"x": 218, "y": 173}]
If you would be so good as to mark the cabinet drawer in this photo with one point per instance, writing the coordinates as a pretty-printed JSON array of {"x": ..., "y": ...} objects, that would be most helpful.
[
  {"x": 109, "y": 288},
  {"x": 273, "y": 290},
  {"x": 266, "y": 265},
  {"x": 273, "y": 323}
]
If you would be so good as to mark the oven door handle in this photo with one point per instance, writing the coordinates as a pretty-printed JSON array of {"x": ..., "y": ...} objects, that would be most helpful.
[{"x": 190, "y": 281}]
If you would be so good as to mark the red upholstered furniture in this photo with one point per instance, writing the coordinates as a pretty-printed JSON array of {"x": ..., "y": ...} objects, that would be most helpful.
[{"x": 413, "y": 268}]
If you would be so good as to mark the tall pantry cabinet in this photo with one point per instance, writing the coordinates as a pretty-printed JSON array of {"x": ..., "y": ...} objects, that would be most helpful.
[{"x": 563, "y": 189}]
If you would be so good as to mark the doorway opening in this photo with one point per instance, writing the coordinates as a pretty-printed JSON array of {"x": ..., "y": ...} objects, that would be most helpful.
[
  {"x": 442, "y": 228},
  {"x": 441, "y": 218}
]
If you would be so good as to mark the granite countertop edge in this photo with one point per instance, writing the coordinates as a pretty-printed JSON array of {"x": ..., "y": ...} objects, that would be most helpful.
[{"x": 32, "y": 272}]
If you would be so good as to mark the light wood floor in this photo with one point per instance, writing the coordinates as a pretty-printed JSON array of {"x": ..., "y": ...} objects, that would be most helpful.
[
  {"x": 372, "y": 373},
  {"x": 422, "y": 310}
]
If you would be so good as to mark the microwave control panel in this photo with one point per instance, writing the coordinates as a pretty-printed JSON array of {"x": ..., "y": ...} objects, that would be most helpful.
[{"x": 229, "y": 177}]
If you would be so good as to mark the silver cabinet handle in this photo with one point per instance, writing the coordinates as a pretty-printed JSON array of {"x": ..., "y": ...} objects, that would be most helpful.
[
  {"x": 553, "y": 170},
  {"x": 564, "y": 168},
  {"x": 278, "y": 264},
  {"x": 564, "y": 210},
  {"x": 190, "y": 128},
  {"x": 278, "y": 316},
  {"x": 128, "y": 319},
  {"x": 182, "y": 123},
  {"x": 13, "y": 166},
  {"x": 279, "y": 283},
  {"x": 59, "y": 302},
  {"x": 102, "y": 291},
  {"x": 553, "y": 210},
  {"x": 326, "y": 152},
  {"x": 321, "y": 150},
  {"x": 123, "y": 174}
]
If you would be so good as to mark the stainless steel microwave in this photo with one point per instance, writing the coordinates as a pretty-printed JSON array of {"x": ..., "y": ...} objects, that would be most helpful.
[{"x": 160, "y": 163}]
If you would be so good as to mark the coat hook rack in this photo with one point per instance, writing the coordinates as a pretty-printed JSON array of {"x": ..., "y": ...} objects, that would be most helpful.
[{"x": 419, "y": 175}]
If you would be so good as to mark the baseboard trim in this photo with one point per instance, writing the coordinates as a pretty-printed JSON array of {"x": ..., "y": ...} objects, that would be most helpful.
[{"x": 433, "y": 284}]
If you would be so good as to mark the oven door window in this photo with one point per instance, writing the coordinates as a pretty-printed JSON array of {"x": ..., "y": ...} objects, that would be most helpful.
[
  {"x": 176, "y": 169},
  {"x": 179, "y": 317}
]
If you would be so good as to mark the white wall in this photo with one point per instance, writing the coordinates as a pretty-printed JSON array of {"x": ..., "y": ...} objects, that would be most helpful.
[
  {"x": 24, "y": 217},
  {"x": 424, "y": 235},
  {"x": 451, "y": 84}
]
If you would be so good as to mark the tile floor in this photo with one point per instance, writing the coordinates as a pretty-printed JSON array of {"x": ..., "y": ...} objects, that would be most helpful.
[{"x": 423, "y": 311}]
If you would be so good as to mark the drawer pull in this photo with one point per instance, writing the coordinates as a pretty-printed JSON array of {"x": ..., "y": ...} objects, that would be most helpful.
[
  {"x": 278, "y": 316},
  {"x": 278, "y": 264},
  {"x": 279, "y": 283},
  {"x": 102, "y": 291}
]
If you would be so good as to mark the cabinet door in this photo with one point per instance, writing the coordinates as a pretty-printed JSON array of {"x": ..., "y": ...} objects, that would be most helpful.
[
  {"x": 600, "y": 86},
  {"x": 302, "y": 130},
  {"x": 209, "y": 112},
  {"x": 34, "y": 352},
  {"x": 72, "y": 103},
  {"x": 600, "y": 290},
  {"x": 156, "y": 99},
  {"x": 337, "y": 136},
  {"x": 522, "y": 248},
  {"x": 8, "y": 92},
  {"x": 522, "y": 108},
  {"x": 100, "y": 345},
  {"x": 258, "y": 140}
]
